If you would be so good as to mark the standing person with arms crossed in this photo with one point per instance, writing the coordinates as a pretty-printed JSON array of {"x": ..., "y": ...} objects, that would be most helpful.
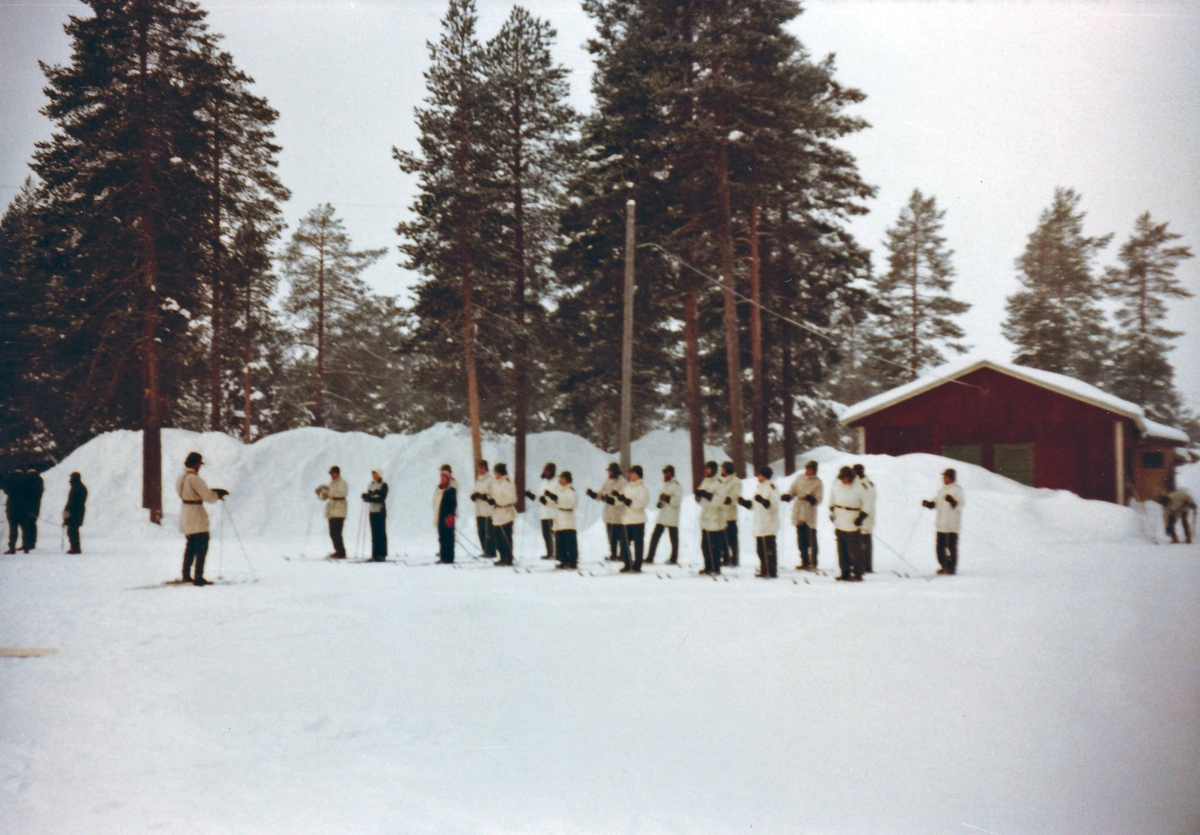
[
  {"x": 670, "y": 497},
  {"x": 334, "y": 495},
  {"x": 949, "y": 503},
  {"x": 566, "y": 543},
  {"x": 483, "y": 510},
  {"x": 376, "y": 499},
  {"x": 808, "y": 492},
  {"x": 765, "y": 506},
  {"x": 193, "y": 518}
]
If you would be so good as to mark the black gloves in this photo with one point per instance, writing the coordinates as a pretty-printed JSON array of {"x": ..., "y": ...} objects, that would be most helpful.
[
  {"x": 859, "y": 519},
  {"x": 551, "y": 496},
  {"x": 704, "y": 494},
  {"x": 744, "y": 503},
  {"x": 591, "y": 493},
  {"x": 366, "y": 497},
  {"x": 542, "y": 499},
  {"x": 762, "y": 501},
  {"x": 928, "y": 504},
  {"x": 951, "y": 501},
  {"x": 659, "y": 505},
  {"x": 476, "y": 497},
  {"x": 221, "y": 494},
  {"x": 812, "y": 500},
  {"x": 663, "y": 499},
  {"x": 609, "y": 500},
  {"x": 625, "y": 500},
  {"x": 529, "y": 495},
  {"x": 491, "y": 501},
  {"x": 786, "y": 497},
  {"x": 728, "y": 500}
]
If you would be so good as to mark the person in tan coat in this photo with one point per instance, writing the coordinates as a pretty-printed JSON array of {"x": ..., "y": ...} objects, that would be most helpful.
[
  {"x": 502, "y": 496},
  {"x": 633, "y": 497},
  {"x": 193, "y": 518},
  {"x": 611, "y": 513},
  {"x": 334, "y": 495},
  {"x": 808, "y": 491}
]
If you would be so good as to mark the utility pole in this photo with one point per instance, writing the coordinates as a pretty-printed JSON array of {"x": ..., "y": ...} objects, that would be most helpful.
[{"x": 627, "y": 341}]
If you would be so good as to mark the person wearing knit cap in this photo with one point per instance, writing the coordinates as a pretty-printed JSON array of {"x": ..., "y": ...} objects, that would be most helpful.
[
  {"x": 376, "y": 498},
  {"x": 483, "y": 510},
  {"x": 712, "y": 519},
  {"x": 846, "y": 513},
  {"x": 732, "y": 486},
  {"x": 566, "y": 543},
  {"x": 867, "y": 528},
  {"x": 633, "y": 497},
  {"x": 765, "y": 507},
  {"x": 445, "y": 509},
  {"x": 544, "y": 498},
  {"x": 502, "y": 496},
  {"x": 612, "y": 512},
  {"x": 948, "y": 503}
]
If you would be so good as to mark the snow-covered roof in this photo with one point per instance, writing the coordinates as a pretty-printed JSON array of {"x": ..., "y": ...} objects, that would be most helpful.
[
  {"x": 1167, "y": 433},
  {"x": 1060, "y": 383}
]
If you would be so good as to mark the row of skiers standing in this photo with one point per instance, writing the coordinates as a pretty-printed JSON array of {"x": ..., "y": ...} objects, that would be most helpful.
[
  {"x": 23, "y": 491},
  {"x": 626, "y": 499}
]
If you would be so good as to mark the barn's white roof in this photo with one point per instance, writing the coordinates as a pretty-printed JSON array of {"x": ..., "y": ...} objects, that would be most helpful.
[{"x": 1060, "y": 383}]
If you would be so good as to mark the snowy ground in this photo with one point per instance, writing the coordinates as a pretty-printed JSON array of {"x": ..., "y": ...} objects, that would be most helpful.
[{"x": 1052, "y": 687}]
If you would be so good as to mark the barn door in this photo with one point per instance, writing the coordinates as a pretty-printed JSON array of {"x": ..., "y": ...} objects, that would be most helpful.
[
  {"x": 1014, "y": 461},
  {"x": 967, "y": 453}
]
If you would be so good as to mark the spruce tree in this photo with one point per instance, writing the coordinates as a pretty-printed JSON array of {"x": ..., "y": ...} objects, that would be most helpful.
[
  {"x": 1056, "y": 321},
  {"x": 448, "y": 239},
  {"x": 915, "y": 326},
  {"x": 125, "y": 196},
  {"x": 1142, "y": 285},
  {"x": 529, "y": 132},
  {"x": 328, "y": 301}
]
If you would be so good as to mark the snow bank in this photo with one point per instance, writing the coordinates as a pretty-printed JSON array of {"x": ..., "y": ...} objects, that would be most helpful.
[{"x": 272, "y": 483}]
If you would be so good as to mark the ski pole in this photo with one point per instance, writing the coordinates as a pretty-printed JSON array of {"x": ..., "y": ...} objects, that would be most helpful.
[
  {"x": 906, "y": 547},
  {"x": 242, "y": 545}
]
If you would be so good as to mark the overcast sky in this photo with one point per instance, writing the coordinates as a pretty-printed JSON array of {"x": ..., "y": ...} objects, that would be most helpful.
[{"x": 987, "y": 106}]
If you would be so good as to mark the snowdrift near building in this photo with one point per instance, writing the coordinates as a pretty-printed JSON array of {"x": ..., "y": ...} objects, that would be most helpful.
[{"x": 272, "y": 482}]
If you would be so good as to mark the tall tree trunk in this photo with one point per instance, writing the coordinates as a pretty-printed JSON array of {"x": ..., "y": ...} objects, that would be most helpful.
[
  {"x": 786, "y": 378},
  {"x": 691, "y": 324},
  {"x": 737, "y": 431},
  {"x": 464, "y": 255},
  {"x": 520, "y": 354},
  {"x": 319, "y": 408},
  {"x": 247, "y": 357},
  {"x": 151, "y": 381},
  {"x": 758, "y": 405},
  {"x": 214, "y": 374}
]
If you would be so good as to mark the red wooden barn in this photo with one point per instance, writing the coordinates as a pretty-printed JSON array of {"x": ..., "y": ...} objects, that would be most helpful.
[{"x": 1036, "y": 427}]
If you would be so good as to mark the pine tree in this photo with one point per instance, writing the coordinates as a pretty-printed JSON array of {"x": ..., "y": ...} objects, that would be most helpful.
[
  {"x": 326, "y": 297},
  {"x": 1142, "y": 285},
  {"x": 529, "y": 138},
  {"x": 915, "y": 326},
  {"x": 1056, "y": 321},
  {"x": 448, "y": 239},
  {"x": 125, "y": 197}
]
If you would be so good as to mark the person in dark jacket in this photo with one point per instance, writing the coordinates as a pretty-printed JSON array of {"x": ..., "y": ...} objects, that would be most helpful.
[
  {"x": 14, "y": 503},
  {"x": 73, "y": 512},
  {"x": 35, "y": 487},
  {"x": 445, "y": 508},
  {"x": 376, "y": 497}
]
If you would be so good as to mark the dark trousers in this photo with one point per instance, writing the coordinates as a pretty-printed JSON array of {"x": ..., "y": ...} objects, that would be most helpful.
[
  {"x": 614, "y": 539},
  {"x": 731, "y": 544},
  {"x": 566, "y": 546},
  {"x": 548, "y": 537},
  {"x": 503, "y": 534},
  {"x": 196, "y": 550},
  {"x": 483, "y": 526},
  {"x": 73, "y": 538},
  {"x": 673, "y": 533},
  {"x": 806, "y": 538},
  {"x": 866, "y": 553},
  {"x": 947, "y": 551},
  {"x": 14, "y": 527},
  {"x": 29, "y": 532},
  {"x": 1171, "y": 517},
  {"x": 768, "y": 558},
  {"x": 379, "y": 547},
  {"x": 712, "y": 545},
  {"x": 633, "y": 539},
  {"x": 848, "y": 554},
  {"x": 445, "y": 542},
  {"x": 335, "y": 534}
]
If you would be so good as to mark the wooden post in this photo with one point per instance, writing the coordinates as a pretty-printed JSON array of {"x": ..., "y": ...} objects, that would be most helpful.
[
  {"x": 627, "y": 341},
  {"x": 1119, "y": 451}
]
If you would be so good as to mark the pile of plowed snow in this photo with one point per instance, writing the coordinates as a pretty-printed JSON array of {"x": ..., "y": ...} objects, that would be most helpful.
[{"x": 272, "y": 483}]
